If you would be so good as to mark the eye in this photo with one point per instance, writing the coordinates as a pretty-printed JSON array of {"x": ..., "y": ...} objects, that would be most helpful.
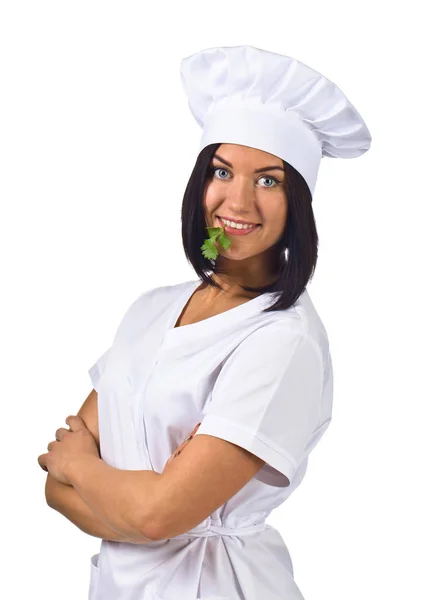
[
  {"x": 277, "y": 181},
  {"x": 212, "y": 171}
]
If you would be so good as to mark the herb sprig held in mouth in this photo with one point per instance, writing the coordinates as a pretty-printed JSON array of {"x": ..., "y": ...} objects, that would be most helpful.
[{"x": 208, "y": 249}]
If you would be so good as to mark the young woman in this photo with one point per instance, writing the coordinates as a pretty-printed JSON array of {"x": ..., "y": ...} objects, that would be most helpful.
[{"x": 215, "y": 391}]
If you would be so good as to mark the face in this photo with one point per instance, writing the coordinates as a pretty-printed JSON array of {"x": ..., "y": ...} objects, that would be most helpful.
[{"x": 249, "y": 185}]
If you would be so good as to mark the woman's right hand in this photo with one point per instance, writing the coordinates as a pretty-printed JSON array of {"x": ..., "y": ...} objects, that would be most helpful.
[{"x": 182, "y": 445}]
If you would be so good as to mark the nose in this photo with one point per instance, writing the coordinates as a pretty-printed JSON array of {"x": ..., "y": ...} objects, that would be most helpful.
[{"x": 241, "y": 199}]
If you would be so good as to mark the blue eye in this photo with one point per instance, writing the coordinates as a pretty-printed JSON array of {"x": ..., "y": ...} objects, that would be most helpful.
[
  {"x": 212, "y": 171},
  {"x": 270, "y": 177}
]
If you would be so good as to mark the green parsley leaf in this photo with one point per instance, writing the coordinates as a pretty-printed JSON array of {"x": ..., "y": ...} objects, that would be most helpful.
[{"x": 208, "y": 249}]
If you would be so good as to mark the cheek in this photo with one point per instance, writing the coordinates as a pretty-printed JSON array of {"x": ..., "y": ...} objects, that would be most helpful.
[
  {"x": 278, "y": 209},
  {"x": 210, "y": 194},
  {"x": 211, "y": 199},
  {"x": 274, "y": 211}
]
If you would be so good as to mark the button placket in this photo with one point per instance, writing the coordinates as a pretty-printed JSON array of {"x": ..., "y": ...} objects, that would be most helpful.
[
  {"x": 138, "y": 414},
  {"x": 138, "y": 410}
]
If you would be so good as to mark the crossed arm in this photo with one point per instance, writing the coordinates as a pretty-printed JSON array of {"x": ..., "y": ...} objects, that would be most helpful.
[
  {"x": 189, "y": 489},
  {"x": 66, "y": 500}
]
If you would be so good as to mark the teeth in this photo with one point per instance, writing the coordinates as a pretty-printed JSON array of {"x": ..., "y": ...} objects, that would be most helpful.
[{"x": 236, "y": 225}]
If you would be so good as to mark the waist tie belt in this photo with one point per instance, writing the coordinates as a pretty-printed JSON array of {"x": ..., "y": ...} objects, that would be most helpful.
[{"x": 221, "y": 530}]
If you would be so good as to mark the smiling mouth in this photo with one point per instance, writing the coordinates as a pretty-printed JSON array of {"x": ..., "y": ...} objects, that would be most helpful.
[{"x": 222, "y": 222}]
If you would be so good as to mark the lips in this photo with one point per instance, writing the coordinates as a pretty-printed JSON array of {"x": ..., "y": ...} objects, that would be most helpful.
[
  {"x": 233, "y": 231},
  {"x": 238, "y": 222}
]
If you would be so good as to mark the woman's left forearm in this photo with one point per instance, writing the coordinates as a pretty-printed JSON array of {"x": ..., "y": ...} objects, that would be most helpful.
[
  {"x": 66, "y": 500},
  {"x": 122, "y": 499}
]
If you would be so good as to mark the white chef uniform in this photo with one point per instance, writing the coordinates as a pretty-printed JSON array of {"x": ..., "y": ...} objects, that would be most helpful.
[{"x": 263, "y": 381}]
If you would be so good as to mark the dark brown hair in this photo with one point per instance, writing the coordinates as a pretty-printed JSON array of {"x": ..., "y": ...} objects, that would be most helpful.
[{"x": 296, "y": 250}]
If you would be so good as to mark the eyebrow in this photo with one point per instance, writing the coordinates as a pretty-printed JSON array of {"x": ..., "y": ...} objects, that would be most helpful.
[{"x": 256, "y": 170}]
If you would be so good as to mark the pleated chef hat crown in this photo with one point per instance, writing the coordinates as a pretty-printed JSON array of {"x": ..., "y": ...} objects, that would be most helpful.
[{"x": 253, "y": 97}]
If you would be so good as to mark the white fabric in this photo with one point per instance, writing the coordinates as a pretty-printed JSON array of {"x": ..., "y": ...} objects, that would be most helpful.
[
  {"x": 272, "y": 102},
  {"x": 263, "y": 381}
]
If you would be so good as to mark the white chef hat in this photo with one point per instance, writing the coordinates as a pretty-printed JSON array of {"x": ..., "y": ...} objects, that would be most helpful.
[{"x": 253, "y": 97}]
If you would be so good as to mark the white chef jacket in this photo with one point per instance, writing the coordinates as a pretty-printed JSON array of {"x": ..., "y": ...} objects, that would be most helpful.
[{"x": 263, "y": 381}]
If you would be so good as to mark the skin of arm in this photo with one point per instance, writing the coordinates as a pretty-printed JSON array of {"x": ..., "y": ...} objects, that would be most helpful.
[
  {"x": 81, "y": 508},
  {"x": 122, "y": 499},
  {"x": 66, "y": 500}
]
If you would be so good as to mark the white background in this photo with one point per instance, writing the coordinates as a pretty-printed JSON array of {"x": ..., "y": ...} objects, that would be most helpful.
[{"x": 96, "y": 147}]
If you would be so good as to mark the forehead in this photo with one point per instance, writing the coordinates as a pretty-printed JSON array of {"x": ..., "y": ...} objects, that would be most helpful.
[{"x": 246, "y": 155}]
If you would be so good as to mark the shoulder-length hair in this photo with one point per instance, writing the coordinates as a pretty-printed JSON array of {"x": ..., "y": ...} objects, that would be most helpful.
[{"x": 295, "y": 252}]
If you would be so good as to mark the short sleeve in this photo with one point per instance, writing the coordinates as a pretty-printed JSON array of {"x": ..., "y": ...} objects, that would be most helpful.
[
  {"x": 96, "y": 371},
  {"x": 268, "y": 399}
]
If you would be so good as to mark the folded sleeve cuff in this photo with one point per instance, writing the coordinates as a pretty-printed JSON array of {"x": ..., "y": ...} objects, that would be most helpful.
[
  {"x": 279, "y": 468},
  {"x": 96, "y": 371}
]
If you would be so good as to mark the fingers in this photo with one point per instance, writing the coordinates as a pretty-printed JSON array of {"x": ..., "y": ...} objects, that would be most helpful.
[
  {"x": 186, "y": 441},
  {"x": 59, "y": 433},
  {"x": 40, "y": 462},
  {"x": 183, "y": 444},
  {"x": 193, "y": 432}
]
